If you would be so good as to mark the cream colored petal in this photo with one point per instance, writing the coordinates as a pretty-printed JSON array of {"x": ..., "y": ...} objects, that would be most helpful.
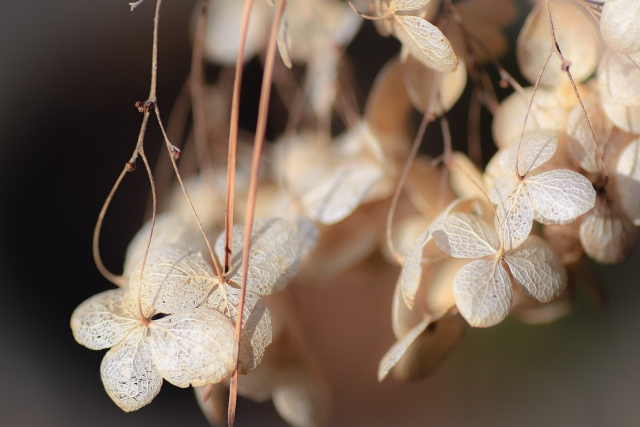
[
  {"x": 628, "y": 180},
  {"x": 620, "y": 25},
  {"x": 607, "y": 235},
  {"x": 465, "y": 178},
  {"x": 256, "y": 323},
  {"x": 438, "y": 284},
  {"x": 561, "y": 195},
  {"x": 195, "y": 347},
  {"x": 547, "y": 112},
  {"x": 514, "y": 209},
  {"x": 565, "y": 240},
  {"x": 619, "y": 77},
  {"x": 429, "y": 350},
  {"x": 404, "y": 5},
  {"x": 169, "y": 229},
  {"x": 537, "y": 148},
  {"x": 308, "y": 235},
  {"x": 129, "y": 374},
  {"x": 420, "y": 83},
  {"x": 582, "y": 146},
  {"x": 537, "y": 269},
  {"x": 273, "y": 256},
  {"x": 625, "y": 117},
  {"x": 301, "y": 400},
  {"x": 403, "y": 318},
  {"x": 397, "y": 350},
  {"x": 466, "y": 236},
  {"x": 284, "y": 43},
  {"x": 483, "y": 292},
  {"x": 103, "y": 320},
  {"x": 411, "y": 274},
  {"x": 216, "y": 407},
  {"x": 426, "y": 42},
  {"x": 340, "y": 191},
  {"x": 174, "y": 279},
  {"x": 576, "y": 36}
]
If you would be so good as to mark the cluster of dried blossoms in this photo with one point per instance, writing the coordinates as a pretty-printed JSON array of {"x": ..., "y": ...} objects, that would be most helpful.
[{"x": 473, "y": 246}]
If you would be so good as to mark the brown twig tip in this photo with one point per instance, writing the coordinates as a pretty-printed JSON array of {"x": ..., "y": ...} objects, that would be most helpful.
[
  {"x": 503, "y": 83},
  {"x": 135, "y": 4},
  {"x": 143, "y": 107},
  {"x": 130, "y": 166},
  {"x": 175, "y": 152},
  {"x": 565, "y": 65}
]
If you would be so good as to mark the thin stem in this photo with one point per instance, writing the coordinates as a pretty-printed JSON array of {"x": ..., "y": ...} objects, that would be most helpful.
[
  {"x": 171, "y": 148},
  {"x": 196, "y": 82},
  {"x": 253, "y": 190},
  {"x": 565, "y": 67},
  {"x": 233, "y": 138},
  {"x": 146, "y": 319},
  {"x": 115, "y": 279},
  {"x": 533, "y": 95}
]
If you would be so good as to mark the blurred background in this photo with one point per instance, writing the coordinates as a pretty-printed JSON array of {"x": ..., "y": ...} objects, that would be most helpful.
[{"x": 70, "y": 73}]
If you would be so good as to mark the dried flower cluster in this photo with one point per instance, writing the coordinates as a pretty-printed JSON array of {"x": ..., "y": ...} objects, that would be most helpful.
[{"x": 474, "y": 245}]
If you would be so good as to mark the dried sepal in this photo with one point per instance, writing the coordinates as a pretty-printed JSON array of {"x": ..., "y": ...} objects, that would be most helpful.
[
  {"x": 308, "y": 235},
  {"x": 575, "y": 33},
  {"x": 483, "y": 292},
  {"x": 429, "y": 349},
  {"x": 606, "y": 234},
  {"x": 515, "y": 211},
  {"x": 129, "y": 374},
  {"x": 411, "y": 274},
  {"x": 406, "y": 5},
  {"x": 619, "y": 78},
  {"x": 195, "y": 347},
  {"x": 536, "y": 149},
  {"x": 547, "y": 112},
  {"x": 466, "y": 236},
  {"x": 581, "y": 144},
  {"x": 216, "y": 407},
  {"x": 340, "y": 193},
  {"x": 623, "y": 116},
  {"x": 403, "y": 319},
  {"x": 565, "y": 240},
  {"x": 284, "y": 43},
  {"x": 397, "y": 350},
  {"x": 628, "y": 180},
  {"x": 620, "y": 25},
  {"x": 425, "y": 42},
  {"x": 537, "y": 270},
  {"x": 174, "y": 279},
  {"x": 103, "y": 320},
  {"x": 273, "y": 256},
  {"x": 256, "y": 323},
  {"x": 300, "y": 399}
]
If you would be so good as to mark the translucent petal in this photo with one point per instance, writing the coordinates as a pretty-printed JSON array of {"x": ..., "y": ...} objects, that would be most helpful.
[
  {"x": 273, "y": 256},
  {"x": 168, "y": 230},
  {"x": 619, "y": 77},
  {"x": 284, "y": 43},
  {"x": 256, "y": 323},
  {"x": 103, "y": 320},
  {"x": 514, "y": 209},
  {"x": 620, "y": 25},
  {"x": 607, "y": 235},
  {"x": 547, "y": 112},
  {"x": 537, "y": 148},
  {"x": 466, "y": 236},
  {"x": 308, "y": 235},
  {"x": 341, "y": 191},
  {"x": 576, "y": 36},
  {"x": 129, "y": 373},
  {"x": 403, "y": 318},
  {"x": 537, "y": 269},
  {"x": 174, "y": 279},
  {"x": 393, "y": 355},
  {"x": 426, "y": 353},
  {"x": 565, "y": 241},
  {"x": 623, "y": 116},
  {"x": 628, "y": 180},
  {"x": 560, "y": 195},
  {"x": 438, "y": 284},
  {"x": 404, "y": 5},
  {"x": 411, "y": 274},
  {"x": 301, "y": 399},
  {"x": 426, "y": 42},
  {"x": 581, "y": 145},
  {"x": 216, "y": 407},
  {"x": 195, "y": 347},
  {"x": 420, "y": 84},
  {"x": 483, "y": 292},
  {"x": 465, "y": 178}
]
